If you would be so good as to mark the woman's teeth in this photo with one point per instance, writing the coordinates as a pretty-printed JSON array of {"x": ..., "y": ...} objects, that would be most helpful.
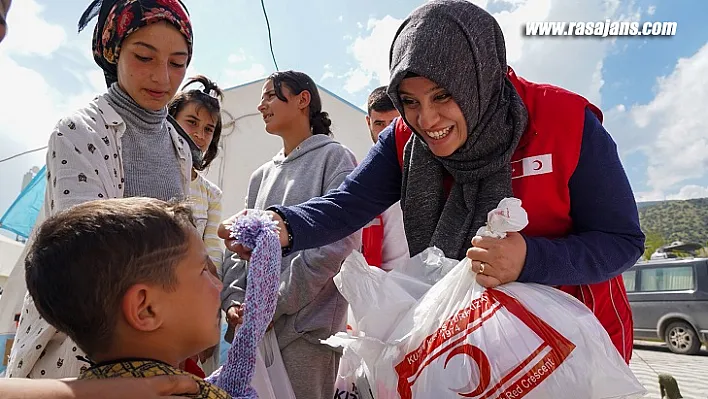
[{"x": 439, "y": 134}]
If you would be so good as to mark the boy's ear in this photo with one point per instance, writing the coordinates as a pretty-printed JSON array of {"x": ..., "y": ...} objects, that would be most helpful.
[{"x": 141, "y": 309}]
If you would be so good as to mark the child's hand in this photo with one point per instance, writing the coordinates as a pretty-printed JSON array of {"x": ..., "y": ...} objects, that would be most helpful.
[{"x": 234, "y": 315}]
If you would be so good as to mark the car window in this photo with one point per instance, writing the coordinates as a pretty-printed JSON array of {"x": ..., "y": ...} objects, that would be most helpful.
[
  {"x": 671, "y": 278},
  {"x": 629, "y": 278}
]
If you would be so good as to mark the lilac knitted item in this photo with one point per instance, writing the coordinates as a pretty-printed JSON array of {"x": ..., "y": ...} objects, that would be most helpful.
[{"x": 255, "y": 231}]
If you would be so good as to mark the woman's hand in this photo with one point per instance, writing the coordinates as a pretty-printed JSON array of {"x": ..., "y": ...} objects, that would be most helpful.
[
  {"x": 497, "y": 260},
  {"x": 243, "y": 253}
]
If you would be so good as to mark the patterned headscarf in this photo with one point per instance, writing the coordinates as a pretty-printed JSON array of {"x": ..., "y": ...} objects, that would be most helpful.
[{"x": 117, "y": 19}]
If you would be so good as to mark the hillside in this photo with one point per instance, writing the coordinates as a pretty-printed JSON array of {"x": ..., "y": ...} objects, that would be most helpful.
[{"x": 676, "y": 220}]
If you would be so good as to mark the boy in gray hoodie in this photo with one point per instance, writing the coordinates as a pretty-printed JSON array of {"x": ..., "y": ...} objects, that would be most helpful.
[{"x": 310, "y": 307}]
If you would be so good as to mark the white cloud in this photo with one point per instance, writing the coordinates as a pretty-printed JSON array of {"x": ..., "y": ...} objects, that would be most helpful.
[
  {"x": 546, "y": 59},
  {"x": 672, "y": 128},
  {"x": 239, "y": 76},
  {"x": 31, "y": 92},
  {"x": 27, "y": 87},
  {"x": 651, "y": 10},
  {"x": 242, "y": 69},
  {"x": 649, "y": 196},
  {"x": 29, "y": 34},
  {"x": 371, "y": 54},
  {"x": 328, "y": 74},
  {"x": 689, "y": 192},
  {"x": 340, "y": 18},
  {"x": 237, "y": 57},
  {"x": 357, "y": 80}
]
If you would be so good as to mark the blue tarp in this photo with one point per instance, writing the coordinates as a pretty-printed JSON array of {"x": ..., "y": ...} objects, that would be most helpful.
[{"x": 22, "y": 214}]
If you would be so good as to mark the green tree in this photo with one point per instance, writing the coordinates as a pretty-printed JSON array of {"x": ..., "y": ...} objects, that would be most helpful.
[{"x": 654, "y": 240}]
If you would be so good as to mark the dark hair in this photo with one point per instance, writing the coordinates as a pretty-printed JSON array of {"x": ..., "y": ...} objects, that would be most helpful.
[
  {"x": 85, "y": 258},
  {"x": 297, "y": 82},
  {"x": 379, "y": 101},
  {"x": 210, "y": 98}
]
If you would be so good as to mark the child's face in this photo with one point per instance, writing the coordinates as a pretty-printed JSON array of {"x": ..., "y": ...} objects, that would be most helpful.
[
  {"x": 192, "y": 317},
  {"x": 198, "y": 123},
  {"x": 277, "y": 114},
  {"x": 152, "y": 63}
]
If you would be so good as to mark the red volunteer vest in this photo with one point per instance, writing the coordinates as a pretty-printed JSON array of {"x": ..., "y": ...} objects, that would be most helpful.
[
  {"x": 542, "y": 165},
  {"x": 372, "y": 242}
]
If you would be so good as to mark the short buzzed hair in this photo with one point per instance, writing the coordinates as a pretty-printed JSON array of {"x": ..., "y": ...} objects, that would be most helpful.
[{"x": 379, "y": 101}]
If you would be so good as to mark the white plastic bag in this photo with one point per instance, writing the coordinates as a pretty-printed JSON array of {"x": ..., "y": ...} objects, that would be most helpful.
[
  {"x": 408, "y": 282},
  {"x": 462, "y": 340},
  {"x": 515, "y": 341},
  {"x": 507, "y": 217},
  {"x": 273, "y": 361},
  {"x": 375, "y": 296},
  {"x": 261, "y": 381},
  {"x": 391, "y": 292},
  {"x": 351, "y": 382}
]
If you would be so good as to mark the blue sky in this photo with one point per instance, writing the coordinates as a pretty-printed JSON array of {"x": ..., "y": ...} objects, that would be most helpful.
[{"x": 652, "y": 90}]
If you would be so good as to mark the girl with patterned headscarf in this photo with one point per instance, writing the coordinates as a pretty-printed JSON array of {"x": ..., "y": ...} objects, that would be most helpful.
[{"x": 119, "y": 145}]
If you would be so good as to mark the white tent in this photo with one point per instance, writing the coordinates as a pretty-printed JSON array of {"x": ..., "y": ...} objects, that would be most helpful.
[
  {"x": 10, "y": 251},
  {"x": 246, "y": 145}
]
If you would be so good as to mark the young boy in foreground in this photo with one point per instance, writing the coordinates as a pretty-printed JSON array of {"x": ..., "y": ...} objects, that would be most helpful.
[{"x": 128, "y": 280}]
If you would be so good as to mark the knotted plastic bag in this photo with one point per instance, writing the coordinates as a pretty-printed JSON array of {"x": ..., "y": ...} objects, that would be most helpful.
[{"x": 462, "y": 340}]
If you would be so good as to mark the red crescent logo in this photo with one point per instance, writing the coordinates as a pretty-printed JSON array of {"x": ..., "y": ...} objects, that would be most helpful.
[{"x": 482, "y": 362}]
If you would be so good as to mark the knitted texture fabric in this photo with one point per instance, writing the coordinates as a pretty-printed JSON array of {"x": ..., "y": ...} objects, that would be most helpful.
[
  {"x": 150, "y": 162},
  {"x": 255, "y": 231}
]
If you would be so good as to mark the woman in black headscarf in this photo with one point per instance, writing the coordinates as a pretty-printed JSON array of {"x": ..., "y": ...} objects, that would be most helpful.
[
  {"x": 120, "y": 145},
  {"x": 472, "y": 133}
]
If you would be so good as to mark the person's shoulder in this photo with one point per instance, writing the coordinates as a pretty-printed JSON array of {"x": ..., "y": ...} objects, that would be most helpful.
[
  {"x": 267, "y": 165},
  {"x": 262, "y": 170},
  {"x": 211, "y": 187},
  {"x": 87, "y": 122},
  {"x": 337, "y": 151},
  {"x": 388, "y": 135},
  {"x": 547, "y": 96}
]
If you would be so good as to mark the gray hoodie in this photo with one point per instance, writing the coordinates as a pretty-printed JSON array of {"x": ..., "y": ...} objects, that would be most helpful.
[{"x": 309, "y": 304}]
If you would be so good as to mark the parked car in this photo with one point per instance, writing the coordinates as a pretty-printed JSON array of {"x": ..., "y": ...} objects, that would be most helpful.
[{"x": 669, "y": 301}]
